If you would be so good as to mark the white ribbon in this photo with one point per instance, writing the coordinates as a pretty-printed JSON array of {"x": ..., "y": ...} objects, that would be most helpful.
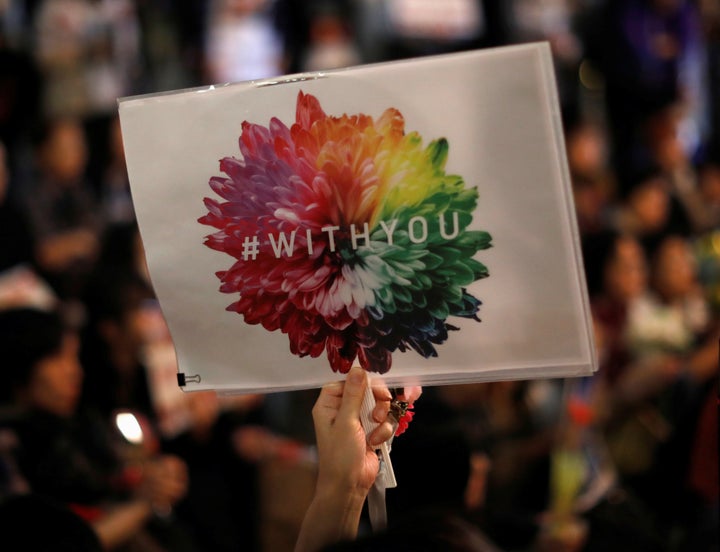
[{"x": 386, "y": 476}]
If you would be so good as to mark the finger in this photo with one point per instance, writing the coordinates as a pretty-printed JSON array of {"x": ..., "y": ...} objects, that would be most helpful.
[
  {"x": 380, "y": 390},
  {"x": 411, "y": 393},
  {"x": 355, "y": 385},
  {"x": 380, "y": 412},
  {"x": 333, "y": 389},
  {"x": 328, "y": 402},
  {"x": 382, "y": 400},
  {"x": 380, "y": 434},
  {"x": 330, "y": 395}
]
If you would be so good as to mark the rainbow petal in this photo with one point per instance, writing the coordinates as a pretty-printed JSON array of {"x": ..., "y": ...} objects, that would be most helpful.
[{"x": 347, "y": 235}]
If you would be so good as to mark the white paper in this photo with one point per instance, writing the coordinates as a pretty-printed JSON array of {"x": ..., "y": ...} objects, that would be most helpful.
[{"x": 499, "y": 113}]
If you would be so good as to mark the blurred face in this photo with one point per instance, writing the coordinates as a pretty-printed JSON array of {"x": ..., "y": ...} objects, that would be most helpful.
[
  {"x": 65, "y": 152},
  {"x": 586, "y": 150},
  {"x": 674, "y": 269},
  {"x": 650, "y": 203},
  {"x": 626, "y": 273},
  {"x": 57, "y": 380}
]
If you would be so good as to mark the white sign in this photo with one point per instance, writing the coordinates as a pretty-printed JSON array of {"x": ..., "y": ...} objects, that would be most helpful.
[{"x": 414, "y": 217}]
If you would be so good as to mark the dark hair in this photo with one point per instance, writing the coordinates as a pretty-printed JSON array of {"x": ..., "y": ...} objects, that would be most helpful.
[
  {"x": 423, "y": 533},
  {"x": 598, "y": 251},
  {"x": 117, "y": 252},
  {"x": 57, "y": 527},
  {"x": 27, "y": 336}
]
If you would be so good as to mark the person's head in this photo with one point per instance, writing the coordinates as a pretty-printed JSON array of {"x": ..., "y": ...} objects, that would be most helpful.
[
  {"x": 649, "y": 202},
  {"x": 40, "y": 356},
  {"x": 121, "y": 250},
  {"x": 62, "y": 150},
  {"x": 57, "y": 528},
  {"x": 674, "y": 269},
  {"x": 664, "y": 138},
  {"x": 587, "y": 150},
  {"x": 591, "y": 200},
  {"x": 625, "y": 272},
  {"x": 114, "y": 302},
  {"x": 615, "y": 266}
]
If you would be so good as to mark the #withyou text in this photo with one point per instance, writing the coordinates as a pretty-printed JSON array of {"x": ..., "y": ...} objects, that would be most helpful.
[{"x": 284, "y": 243}]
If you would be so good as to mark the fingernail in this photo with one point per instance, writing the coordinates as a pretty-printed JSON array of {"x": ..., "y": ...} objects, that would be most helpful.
[{"x": 356, "y": 375}]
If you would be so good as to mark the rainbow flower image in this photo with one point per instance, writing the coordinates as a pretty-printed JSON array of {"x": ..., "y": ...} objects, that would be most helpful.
[{"x": 347, "y": 235}]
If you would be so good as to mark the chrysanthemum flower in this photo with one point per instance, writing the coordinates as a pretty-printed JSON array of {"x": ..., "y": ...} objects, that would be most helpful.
[{"x": 348, "y": 236}]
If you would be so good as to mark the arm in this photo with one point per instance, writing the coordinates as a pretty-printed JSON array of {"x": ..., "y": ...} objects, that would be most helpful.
[
  {"x": 348, "y": 463},
  {"x": 114, "y": 528},
  {"x": 164, "y": 484}
]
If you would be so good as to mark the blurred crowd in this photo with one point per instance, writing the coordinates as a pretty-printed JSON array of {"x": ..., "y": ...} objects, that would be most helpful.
[{"x": 97, "y": 444}]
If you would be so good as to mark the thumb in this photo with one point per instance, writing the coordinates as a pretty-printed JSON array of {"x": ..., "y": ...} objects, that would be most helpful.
[{"x": 355, "y": 386}]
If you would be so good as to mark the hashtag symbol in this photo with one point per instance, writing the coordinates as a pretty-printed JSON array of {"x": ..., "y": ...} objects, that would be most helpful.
[{"x": 250, "y": 248}]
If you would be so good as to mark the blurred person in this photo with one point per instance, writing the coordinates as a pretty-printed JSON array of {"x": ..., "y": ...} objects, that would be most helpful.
[
  {"x": 220, "y": 506},
  {"x": 16, "y": 242},
  {"x": 397, "y": 29},
  {"x": 683, "y": 330},
  {"x": 617, "y": 277},
  {"x": 242, "y": 43},
  {"x": 20, "y": 91},
  {"x": 671, "y": 342},
  {"x": 69, "y": 454},
  {"x": 650, "y": 210},
  {"x": 62, "y": 529},
  {"x": 589, "y": 508},
  {"x": 667, "y": 152},
  {"x": 552, "y": 21},
  {"x": 588, "y": 150},
  {"x": 122, "y": 252},
  {"x": 650, "y": 53},
  {"x": 20, "y": 283},
  {"x": 674, "y": 318},
  {"x": 647, "y": 208},
  {"x": 88, "y": 52},
  {"x": 62, "y": 209},
  {"x": 115, "y": 378},
  {"x": 116, "y": 295},
  {"x": 291, "y": 19},
  {"x": 511, "y": 425},
  {"x": 331, "y": 43},
  {"x": 675, "y": 313},
  {"x": 592, "y": 180},
  {"x": 89, "y": 55},
  {"x": 115, "y": 199},
  {"x": 592, "y": 205},
  {"x": 617, "y": 273},
  {"x": 462, "y": 488}
]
